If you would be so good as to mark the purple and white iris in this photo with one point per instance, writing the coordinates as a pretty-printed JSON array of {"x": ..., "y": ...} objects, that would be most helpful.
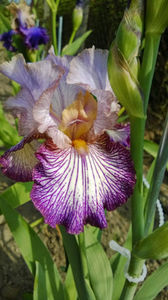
[{"x": 80, "y": 169}]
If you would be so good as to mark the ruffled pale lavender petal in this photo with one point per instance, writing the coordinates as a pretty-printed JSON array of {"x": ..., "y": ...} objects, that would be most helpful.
[
  {"x": 21, "y": 106},
  {"x": 62, "y": 61},
  {"x": 89, "y": 69},
  {"x": 32, "y": 76},
  {"x": 73, "y": 190},
  {"x": 64, "y": 95},
  {"x": 45, "y": 118},
  {"x": 120, "y": 133},
  {"x": 59, "y": 138},
  {"x": 41, "y": 110},
  {"x": 107, "y": 113},
  {"x": 34, "y": 83},
  {"x": 18, "y": 162},
  {"x": 47, "y": 111}
]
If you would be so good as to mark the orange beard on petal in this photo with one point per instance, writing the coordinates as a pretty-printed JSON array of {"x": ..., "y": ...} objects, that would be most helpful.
[
  {"x": 78, "y": 117},
  {"x": 80, "y": 146}
]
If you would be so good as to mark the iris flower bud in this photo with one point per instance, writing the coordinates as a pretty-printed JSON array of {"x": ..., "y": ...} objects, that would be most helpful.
[
  {"x": 77, "y": 15},
  {"x": 123, "y": 63}
]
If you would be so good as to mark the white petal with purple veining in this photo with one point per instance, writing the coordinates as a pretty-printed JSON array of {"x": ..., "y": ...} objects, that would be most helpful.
[
  {"x": 73, "y": 190},
  {"x": 89, "y": 69}
]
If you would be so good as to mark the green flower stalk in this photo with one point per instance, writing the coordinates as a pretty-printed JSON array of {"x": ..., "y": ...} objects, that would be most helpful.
[
  {"x": 124, "y": 68},
  {"x": 157, "y": 177},
  {"x": 156, "y": 16},
  {"x": 53, "y": 4},
  {"x": 131, "y": 84},
  {"x": 155, "y": 23}
]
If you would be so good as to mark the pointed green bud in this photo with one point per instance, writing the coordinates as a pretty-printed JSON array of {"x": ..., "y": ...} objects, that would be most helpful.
[
  {"x": 77, "y": 17},
  {"x": 156, "y": 16},
  {"x": 123, "y": 63},
  {"x": 124, "y": 83},
  {"x": 128, "y": 36}
]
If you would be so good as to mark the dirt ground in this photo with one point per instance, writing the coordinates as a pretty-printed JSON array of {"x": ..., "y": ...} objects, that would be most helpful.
[{"x": 15, "y": 278}]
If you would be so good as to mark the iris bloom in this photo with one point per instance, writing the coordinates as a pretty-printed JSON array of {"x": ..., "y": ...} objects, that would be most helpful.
[
  {"x": 80, "y": 169},
  {"x": 6, "y": 38},
  {"x": 23, "y": 24}
]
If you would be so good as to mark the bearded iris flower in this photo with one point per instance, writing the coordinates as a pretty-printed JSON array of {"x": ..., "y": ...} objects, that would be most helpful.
[
  {"x": 80, "y": 169},
  {"x": 23, "y": 24},
  {"x": 6, "y": 38},
  {"x": 34, "y": 36}
]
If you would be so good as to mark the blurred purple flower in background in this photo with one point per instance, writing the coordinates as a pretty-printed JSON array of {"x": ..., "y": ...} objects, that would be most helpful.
[
  {"x": 34, "y": 36},
  {"x": 23, "y": 24},
  {"x": 6, "y": 38}
]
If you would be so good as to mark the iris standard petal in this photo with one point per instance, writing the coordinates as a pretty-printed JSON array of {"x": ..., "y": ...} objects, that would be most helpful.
[
  {"x": 62, "y": 61},
  {"x": 47, "y": 120},
  {"x": 32, "y": 75},
  {"x": 48, "y": 109},
  {"x": 89, "y": 69},
  {"x": 18, "y": 162},
  {"x": 21, "y": 106},
  {"x": 107, "y": 112},
  {"x": 73, "y": 189}
]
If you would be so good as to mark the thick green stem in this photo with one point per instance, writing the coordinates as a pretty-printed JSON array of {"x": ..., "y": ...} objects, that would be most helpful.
[
  {"x": 152, "y": 41},
  {"x": 157, "y": 178},
  {"x": 134, "y": 271},
  {"x": 137, "y": 140},
  {"x": 54, "y": 31},
  {"x": 137, "y": 137}
]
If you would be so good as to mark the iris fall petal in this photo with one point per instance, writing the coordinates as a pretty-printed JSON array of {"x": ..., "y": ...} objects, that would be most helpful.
[
  {"x": 18, "y": 162},
  {"x": 73, "y": 189}
]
